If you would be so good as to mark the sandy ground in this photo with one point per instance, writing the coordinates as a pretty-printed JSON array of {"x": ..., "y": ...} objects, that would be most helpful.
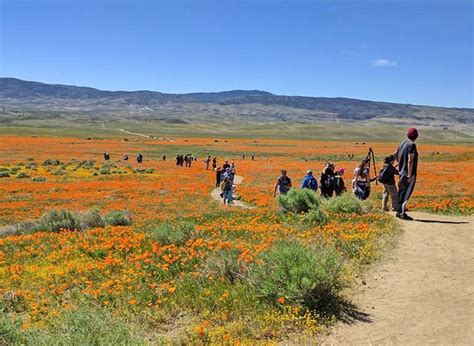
[
  {"x": 422, "y": 292},
  {"x": 215, "y": 194}
]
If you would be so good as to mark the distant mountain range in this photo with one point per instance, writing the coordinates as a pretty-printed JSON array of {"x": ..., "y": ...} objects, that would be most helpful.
[{"x": 21, "y": 99}]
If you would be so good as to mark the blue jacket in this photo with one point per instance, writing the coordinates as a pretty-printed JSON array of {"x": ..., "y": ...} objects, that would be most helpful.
[{"x": 309, "y": 182}]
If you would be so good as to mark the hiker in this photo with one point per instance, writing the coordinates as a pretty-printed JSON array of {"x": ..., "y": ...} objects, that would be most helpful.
[
  {"x": 339, "y": 187},
  {"x": 207, "y": 161},
  {"x": 309, "y": 181},
  {"x": 227, "y": 187},
  {"x": 106, "y": 156},
  {"x": 164, "y": 158},
  {"x": 181, "y": 160},
  {"x": 328, "y": 180},
  {"x": 125, "y": 157},
  {"x": 218, "y": 176},
  {"x": 225, "y": 165},
  {"x": 253, "y": 157},
  {"x": 233, "y": 170},
  {"x": 139, "y": 158},
  {"x": 361, "y": 180},
  {"x": 243, "y": 157},
  {"x": 407, "y": 158},
  {"x": 214, "y": 163},
  {"x": 283, "y": 184},
  {"x": 387, "y": 178}
]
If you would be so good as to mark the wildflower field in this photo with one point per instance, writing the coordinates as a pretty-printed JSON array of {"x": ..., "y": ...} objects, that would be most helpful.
[{"x": 150, "y": 258}]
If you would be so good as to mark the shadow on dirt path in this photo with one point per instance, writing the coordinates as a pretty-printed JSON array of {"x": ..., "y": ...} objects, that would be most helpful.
[{"x": 422, "y": 292}]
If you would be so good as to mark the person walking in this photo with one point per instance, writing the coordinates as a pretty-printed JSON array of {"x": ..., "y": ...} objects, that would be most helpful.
[
  {"x": 225, "y": 165},
  {"x": 387, "y": 178},
  {"x": 309, "y": 181},
  {"x": 218, "y": 176},
  {"x": 139, "y": 158},
  {"x": 227, "y": 189},
  {"x": 361, "y": 180},
  {"x": 407, "y": 158},
  {"x": 339, "y": 187},
  {"x": 214, "y": 163},
  {"x": 207, "y": 161},
  {"x": 328, "y": 180},
  {"x": 283, "y": 184}
]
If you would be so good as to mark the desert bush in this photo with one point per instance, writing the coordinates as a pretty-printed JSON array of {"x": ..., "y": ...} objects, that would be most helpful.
[
  {"x": 346, "y": 203},
  {"x": 55, "y": 220},
  {"x": 118, "y": 218},
  {"x": 299, "y": 200},
  {"x": 90, "y": 219},
  {"x": 22, "y": 175},
  {"x": 316, "y": 217},
  {"x": 302, "y": 275},
  {"x": 14, "y": 169},
  {"x": 39, "y": 179},
  {"x": 143, "y": 170},
  {"x": 224, "y": 263},
  {"x": 50, "y": 162},
  {"x": 4, "y": 174},
  {"x": 31, "y": 165},
  {"x": 177, "y": 234},
  {"x": 59, "y": 171},
  {"x": 4, "y": 169}
]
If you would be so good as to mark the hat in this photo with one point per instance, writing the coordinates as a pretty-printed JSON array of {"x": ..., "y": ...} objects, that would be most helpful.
[
  {"x": 309, "y": 171},
  {"x": 412, "y": 133},
  {"x": 342, "y": 170},
  {"x": 389, "y": 159}
]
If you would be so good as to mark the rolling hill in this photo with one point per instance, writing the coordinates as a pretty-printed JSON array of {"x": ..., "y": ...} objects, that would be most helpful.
[{"x": 20, "y": 100}]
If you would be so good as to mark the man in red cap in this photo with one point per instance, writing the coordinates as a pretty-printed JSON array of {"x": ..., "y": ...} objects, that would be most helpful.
[{"x": 407, "y": 157}]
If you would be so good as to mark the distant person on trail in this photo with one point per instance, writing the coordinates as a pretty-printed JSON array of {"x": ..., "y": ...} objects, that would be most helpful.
[
  {"x": 387, "y": 178},
  {"x": 106, "y": 156},
  {"x": 207, "y": 161},
  {"x": 407, "y": 157},
  {"x": 164, "y": 157},
  {"x": 225, "y": 165},
  {"x": 243, "y": 157},
  {"x": 339, "y": 187},
  {"x": 253, "y": 157},
  {"x": 328, "y": 180},
  {"x": 227, "y": 187},
  {"x": 177, "y": 160},
  {"x": 218, "y": 176},
  {"x": 233, "y": 170},
  {"x": 139, "y": 158},
  {"x": 283, "y": 184},
  {"x": 361, "y": 180},
  {"x": 214, "y": 163},
  {"x": 309, "y": 181},
  {"x": 125, "y": 157}
]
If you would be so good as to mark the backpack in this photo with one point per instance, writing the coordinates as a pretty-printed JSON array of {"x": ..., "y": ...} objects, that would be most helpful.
[
  {"x": 313, "y": 184},
  {"x": 384, "y": 175}
]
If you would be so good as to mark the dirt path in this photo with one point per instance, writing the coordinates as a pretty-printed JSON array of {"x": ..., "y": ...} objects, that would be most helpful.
[
  {"x": 134, "y": 133},
  {"x": 215, "y": 194},
  {"x": 422, "y": 292}
]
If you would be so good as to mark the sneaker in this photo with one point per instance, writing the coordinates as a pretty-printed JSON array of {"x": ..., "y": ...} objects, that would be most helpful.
[{"x": 406, "y": 217}]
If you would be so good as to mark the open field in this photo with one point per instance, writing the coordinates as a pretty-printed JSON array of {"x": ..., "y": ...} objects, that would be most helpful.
[{"x": 187, "y": 269}]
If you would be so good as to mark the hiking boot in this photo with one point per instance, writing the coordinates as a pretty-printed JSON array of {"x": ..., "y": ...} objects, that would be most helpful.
[{"x": 405, "y": 217}]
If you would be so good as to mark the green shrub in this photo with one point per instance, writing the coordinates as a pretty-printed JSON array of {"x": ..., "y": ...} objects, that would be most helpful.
[
  {"x": 50, "y": 162},
  {"x": 144, "y": 170},
  {"x": 316, "y": 217},
  {"x": 299, "y": 200},
  {"x": 346, "y": 203},
  {"x": 59, "y": 171},
  {"x": 55, "y": 220},
  {"x": 4, "y": 169},
  {"x": 39, "y": 179},
  {"x": 118, "y": 218},
  {"x": 225, "y": 263},
  {"x": 22, "y": 175},
  {"x": 91, "y": 219},
  {"x": 14, "y": 169},
  {"x": 85, "y": 326},
  {"x": 310, "y": 277},
  {"x": 177, "y": 234},
  {"x": 4, "y": 174}
]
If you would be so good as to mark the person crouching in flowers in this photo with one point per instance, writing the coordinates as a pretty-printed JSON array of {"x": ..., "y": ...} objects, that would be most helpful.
[{"x": 361, "y": 180}]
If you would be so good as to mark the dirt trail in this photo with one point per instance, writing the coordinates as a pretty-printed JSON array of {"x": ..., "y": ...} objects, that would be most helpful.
[
  {"x": 134, "y": 133},
  {"x": 422, "y": 292},
  {"x": 215, "y": 194}
]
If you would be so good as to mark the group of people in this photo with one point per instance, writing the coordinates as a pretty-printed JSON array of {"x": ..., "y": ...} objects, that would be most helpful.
[
  {"x": 139, "y": 157},
  {"x": 332, "y": 183},
  {"x": 186, "y": 160},
  {"x": 225, "y": 180}
]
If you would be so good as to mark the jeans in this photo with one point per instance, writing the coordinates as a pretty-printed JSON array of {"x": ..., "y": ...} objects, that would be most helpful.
[
  {"x": 405, "y": 189},
  {"x": 228, "y": 196},
  {"x": 390, "y": 190}
]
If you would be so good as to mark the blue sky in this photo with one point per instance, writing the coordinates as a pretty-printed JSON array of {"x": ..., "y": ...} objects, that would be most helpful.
[{"x": 418, "y": 52}]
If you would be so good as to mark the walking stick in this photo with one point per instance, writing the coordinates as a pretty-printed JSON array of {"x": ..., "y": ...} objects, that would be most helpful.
[{"x": 371, "y": 152}]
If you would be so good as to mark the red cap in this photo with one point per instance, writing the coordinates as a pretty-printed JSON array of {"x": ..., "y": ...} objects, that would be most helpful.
[{"x": 412, "y": 133}]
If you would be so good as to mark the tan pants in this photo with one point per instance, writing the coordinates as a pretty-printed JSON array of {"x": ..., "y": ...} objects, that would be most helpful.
[{"x": 389, "y": 190}]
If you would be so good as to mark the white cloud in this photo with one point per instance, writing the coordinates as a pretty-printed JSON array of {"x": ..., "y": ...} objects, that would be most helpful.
[{"x": 385, "y": 63}]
